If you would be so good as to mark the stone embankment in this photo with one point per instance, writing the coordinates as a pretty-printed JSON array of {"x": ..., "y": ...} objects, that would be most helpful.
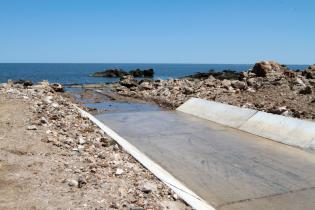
[
  {"x": 268, "y": 87},
  {"x": 52, "y": 157}
]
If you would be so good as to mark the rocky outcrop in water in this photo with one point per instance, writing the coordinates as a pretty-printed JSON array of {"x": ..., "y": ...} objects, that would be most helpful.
[
  {"x": 110, "y": 73},
  {"x": 119, "y": 73},
  {"x": 225, "y": 74},
  {"x": 25, "y": 83}
]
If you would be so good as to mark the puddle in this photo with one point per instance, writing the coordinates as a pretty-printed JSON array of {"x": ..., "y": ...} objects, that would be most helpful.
[{"x": 103, "y": 104}]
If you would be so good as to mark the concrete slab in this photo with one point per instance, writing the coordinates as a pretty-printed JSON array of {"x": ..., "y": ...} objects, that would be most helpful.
[{"x": 228, "y": 168}]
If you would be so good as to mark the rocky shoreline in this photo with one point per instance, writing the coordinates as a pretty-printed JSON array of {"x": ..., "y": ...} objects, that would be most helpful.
[
  {"x": 269, "y": 87},
  {"x": 66, "y": 161}
]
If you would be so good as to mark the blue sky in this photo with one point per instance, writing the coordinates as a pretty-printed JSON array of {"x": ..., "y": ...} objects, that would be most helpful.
[{"x": 157, "y": 31}]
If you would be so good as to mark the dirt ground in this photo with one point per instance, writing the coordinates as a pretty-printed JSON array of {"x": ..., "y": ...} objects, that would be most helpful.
[{"x": 39, "y": 174}]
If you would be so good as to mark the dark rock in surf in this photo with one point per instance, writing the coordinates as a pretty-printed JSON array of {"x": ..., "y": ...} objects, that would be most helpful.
[
  {"x": 119, "y": 73},
  {"x": 25, "y": 83},
  {"x": 225, "y": 74},
  {"x": 148, "y": 73},
  {"x": 111, "y": 73},
  {"x": 57, "y": 87}
]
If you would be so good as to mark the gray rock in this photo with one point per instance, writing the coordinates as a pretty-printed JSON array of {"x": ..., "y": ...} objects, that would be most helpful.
[
  {"x": 226, "y": 83},
  {"x": 148, "y": 187},
  {"x": 306, "y": 90},
  {"x": 238, "y": 84},
  {"x": 73, "y": 183},
  {"x": 145, "y": 86},
  {"x": 48, "y": 99},
  {"x": 81, "y": 182},
  {"x": 128, "y": 82}
]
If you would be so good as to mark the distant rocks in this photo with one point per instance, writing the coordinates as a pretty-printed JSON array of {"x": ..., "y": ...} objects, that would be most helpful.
[
  {"x": 25, "y": 83},
  {"x": 111, "y": 73},
  {"x": 225, "y": 74},
  {"x": 142, "y": 73},
  {"x": 119, "y": 73}
]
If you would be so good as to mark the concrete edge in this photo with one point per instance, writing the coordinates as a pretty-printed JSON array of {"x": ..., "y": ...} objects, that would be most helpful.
[
  {"x": 180, "y": 189},
  {"x": 217, "y": 112},
  {"x": 285, "y": 130}
]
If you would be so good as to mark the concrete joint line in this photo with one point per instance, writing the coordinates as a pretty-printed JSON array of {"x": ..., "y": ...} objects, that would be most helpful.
[
  {"x": 266, "y": 196},
  {"x": 180, "y": 189}
]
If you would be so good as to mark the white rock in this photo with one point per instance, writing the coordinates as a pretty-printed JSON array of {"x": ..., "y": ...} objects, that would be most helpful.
[
  {"x": 73, "y": 183},
  {"x": 81, "y": 147},
  {"x": 119, "y": 171},
  {"x": 31, "y": 127},
  {"x": 48, "y": 99},
  {"x": 55, "y": 105},
  {"x": 81, "y": 141}
]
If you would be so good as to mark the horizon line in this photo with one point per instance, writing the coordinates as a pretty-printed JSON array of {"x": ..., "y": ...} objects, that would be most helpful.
[{"x": 183, "y": 63}]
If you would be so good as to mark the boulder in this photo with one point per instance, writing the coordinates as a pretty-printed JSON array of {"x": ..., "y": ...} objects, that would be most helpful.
[
  {"x": 309, "y": 73},
  {"x": 57, "y": 87},
  {"x": 128, "y": 82},
  {"x": 266, "y": 68},
  {"x": 238, "y": 84},
  {"x": 226, "y": 83},
  {"x": 306, "y": 90},
  {"x": 146, "y": 86}
]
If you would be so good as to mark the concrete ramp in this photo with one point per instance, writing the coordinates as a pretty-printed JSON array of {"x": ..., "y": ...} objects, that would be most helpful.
[
  {"x": 228, "y": 168},
  {"x": 286, "y": 130}
]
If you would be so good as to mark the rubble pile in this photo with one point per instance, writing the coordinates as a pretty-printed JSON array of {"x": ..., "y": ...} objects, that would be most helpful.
[
  {"x": 95, "y": 165},
  {"x": 268, "y": 87}
]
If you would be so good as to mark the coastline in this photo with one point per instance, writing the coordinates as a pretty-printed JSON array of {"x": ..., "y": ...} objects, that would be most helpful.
[{"x": 75, "y": 163}]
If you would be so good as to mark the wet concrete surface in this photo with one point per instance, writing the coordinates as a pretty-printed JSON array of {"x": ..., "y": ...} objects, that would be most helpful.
[
  {"x": 95, "y": 100},
  {"x": 230, "y": 169}
]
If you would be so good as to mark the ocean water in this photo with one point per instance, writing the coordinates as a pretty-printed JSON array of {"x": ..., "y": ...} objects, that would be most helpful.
[{"x": 79, "y": 73}]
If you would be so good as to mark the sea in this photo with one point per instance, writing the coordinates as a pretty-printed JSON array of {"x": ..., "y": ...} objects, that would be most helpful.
[{"x": 79, "y": 73}]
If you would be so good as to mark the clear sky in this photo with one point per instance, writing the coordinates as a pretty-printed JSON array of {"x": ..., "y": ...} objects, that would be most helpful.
[{"x": 157, "y": 31}]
